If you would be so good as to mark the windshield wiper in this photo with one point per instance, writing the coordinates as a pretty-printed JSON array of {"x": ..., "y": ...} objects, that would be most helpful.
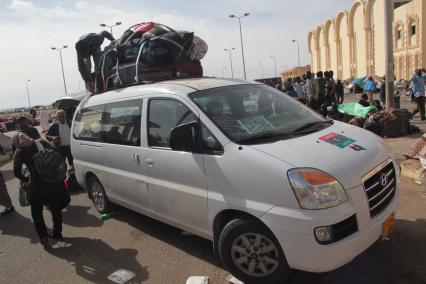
[
  {"x": 312, "y": 124},
  {"x": 266, "y": 136}
]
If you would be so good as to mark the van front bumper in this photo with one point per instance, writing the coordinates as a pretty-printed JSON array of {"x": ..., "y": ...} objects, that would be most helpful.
[{"x": 294, "y": 230}]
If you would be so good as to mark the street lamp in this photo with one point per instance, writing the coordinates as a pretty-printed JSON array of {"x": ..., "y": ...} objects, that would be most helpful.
[
  {"x": 62, "y": 64},
  {"x": 111, "y": 26},
  {"x": 298, "y": 51},
  {"x": 261, "y": 69},
  {"x": 275, "y": 64},
  {"x": 28, "y": 94},
  {"x": 230, "y": 60},
  {"x": 241, "y": 38}
]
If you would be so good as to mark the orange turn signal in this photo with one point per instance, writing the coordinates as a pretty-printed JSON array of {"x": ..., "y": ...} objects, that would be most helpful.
[{"x": 315, "y": 177}]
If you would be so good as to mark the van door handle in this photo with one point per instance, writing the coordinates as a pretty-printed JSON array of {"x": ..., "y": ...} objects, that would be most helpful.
[
  {"x": 135, "y": 158},
  {"x": 149, "y": 162}
]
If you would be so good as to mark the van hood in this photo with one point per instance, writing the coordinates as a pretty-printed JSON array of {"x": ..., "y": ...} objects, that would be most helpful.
[{"x": 344, "y": 151}]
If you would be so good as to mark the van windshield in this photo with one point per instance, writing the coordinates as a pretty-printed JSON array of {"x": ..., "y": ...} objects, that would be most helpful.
[{"x": 250, "y": 114}]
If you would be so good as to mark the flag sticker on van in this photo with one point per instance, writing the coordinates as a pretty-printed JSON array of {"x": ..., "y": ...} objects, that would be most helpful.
[{"x": 337, "y": 140}]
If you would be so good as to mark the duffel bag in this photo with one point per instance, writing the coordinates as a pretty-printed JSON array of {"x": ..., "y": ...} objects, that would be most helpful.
[
  {"x": 135, "y": 31},
  {"x": 131, "y": 73},
  {"x": 179, "y": 44},
  {"x": 399, "y": 126},
  {"x": 185, "y": 69}
]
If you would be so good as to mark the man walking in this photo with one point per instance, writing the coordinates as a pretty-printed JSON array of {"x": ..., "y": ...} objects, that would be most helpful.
[
  {"x": 41, "y": 192},
  {"x": 89, "y": 46},
  {"x": 418, "y": 87},
  {"x": 59, "y": 133}
]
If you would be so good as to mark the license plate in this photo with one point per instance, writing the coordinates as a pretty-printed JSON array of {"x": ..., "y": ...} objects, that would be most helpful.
[{"x": 388, "y": 226}]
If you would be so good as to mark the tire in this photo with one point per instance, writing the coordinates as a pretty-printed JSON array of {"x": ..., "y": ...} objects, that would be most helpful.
[
  {"x": 98, "y": 196},
  {"x": 237, "y": 241}
]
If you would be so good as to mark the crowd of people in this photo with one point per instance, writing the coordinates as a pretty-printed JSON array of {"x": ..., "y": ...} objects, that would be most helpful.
[
  {"x": 41, "y": 169},
  {"x": 320, "y": 90}
]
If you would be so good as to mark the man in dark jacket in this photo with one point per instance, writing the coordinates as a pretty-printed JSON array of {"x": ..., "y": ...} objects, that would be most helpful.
[
  {"x": 59, "y": 133},
  {"x": 322, "y": 82},
  {"x": 40, "y": 192},
  {"x": 88, "y": 46}
]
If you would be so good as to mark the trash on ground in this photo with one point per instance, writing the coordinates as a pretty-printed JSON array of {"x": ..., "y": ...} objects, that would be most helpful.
[
  {"x": 233, "y": 280},
  {"x": 197, "y": 280},
  {"x": 121, "y": 276}
]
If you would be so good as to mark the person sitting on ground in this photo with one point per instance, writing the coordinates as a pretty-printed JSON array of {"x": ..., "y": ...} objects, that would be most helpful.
[
  {"x": 87, "y": 46},
  {"x": 364, "y": 100},
  {"x": 378, "y": 105}
]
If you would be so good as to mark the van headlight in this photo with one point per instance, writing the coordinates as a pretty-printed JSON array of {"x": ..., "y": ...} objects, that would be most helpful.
[{"x": 315, "y": 189}]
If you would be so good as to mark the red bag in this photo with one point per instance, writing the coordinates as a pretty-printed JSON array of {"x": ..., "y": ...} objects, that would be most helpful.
[
  {"x": 136, "y": 31},
  {"x": 188, "y": 69}
]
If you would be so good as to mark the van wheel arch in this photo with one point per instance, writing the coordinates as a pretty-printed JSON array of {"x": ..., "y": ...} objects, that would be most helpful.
[{"x": 223, "y": 218}]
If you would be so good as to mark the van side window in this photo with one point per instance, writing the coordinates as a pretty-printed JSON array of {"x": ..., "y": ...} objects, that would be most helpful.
[
  {"x": 88, "y": 124},
  {"x": 163, "y": 116},
  {"x": 122, "y": 123}
]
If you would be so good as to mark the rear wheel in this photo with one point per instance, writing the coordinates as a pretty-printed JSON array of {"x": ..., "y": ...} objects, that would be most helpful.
[
  {"x": 98, "y": 195},
  {"x": 251, "y": 252}
]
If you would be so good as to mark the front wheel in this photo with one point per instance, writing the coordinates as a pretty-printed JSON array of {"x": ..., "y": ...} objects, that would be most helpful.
[
  {"x": 251, "y": 252},
  {"x": 98, "y": 195}
]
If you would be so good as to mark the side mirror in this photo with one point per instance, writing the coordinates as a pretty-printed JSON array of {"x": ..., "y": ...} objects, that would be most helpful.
[{"x": 184, "y": 137}]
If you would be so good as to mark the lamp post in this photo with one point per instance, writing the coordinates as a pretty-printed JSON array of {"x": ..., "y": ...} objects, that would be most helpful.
[
  {"x": 241, "y": 38},
  {"x": 298, "y": 51},
  {"x": 62, "y": 65},
  {"x": 275, "y": 64},
  {"x": 111, "y": 26},
  {"x": 28, "y": 94},
  {"x": 230, "y": 60},
  {"x": 261, "y": 69}
]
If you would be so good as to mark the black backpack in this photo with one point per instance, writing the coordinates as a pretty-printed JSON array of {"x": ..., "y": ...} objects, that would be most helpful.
[{"x": 49, "y": 164}]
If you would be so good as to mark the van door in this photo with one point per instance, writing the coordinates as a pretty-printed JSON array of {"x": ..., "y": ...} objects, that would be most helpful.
[
  {"x": 176, "y": 182},
  {"x": 122, "y": 154}
]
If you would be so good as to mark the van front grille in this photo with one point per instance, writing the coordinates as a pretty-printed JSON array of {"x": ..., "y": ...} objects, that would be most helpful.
[{"x": 380, "y": 189}]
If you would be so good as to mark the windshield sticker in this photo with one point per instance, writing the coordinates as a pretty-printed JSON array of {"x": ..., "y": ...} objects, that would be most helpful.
[
  {"x": 337, "y": 140},
  {"x": 255, "y": 124},
  {"x": 357, "y": 147}
]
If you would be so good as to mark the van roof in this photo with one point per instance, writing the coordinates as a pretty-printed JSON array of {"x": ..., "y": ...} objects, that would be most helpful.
[{"x": 179, "y": 87}]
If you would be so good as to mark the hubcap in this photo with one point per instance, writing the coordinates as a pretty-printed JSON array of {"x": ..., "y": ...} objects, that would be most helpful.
[
  {"x": 98, "y": 196},
  {"x": 255, "y": 254}
]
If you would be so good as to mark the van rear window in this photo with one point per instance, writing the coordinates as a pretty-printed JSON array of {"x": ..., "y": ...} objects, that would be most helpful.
[{"x": 88, "y": 124}]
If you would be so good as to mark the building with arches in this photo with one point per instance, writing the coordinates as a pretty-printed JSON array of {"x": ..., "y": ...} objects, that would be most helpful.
[{"x": 353, "y": 43}]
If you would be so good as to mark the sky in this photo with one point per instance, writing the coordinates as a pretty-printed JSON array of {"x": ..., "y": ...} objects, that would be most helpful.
[{"x": 28, "y": 30}]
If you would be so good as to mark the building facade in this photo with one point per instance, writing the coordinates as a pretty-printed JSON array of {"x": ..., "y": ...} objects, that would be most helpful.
[
  {"x": 353, "y": 43},
  {"x": 294, "y": 72}
]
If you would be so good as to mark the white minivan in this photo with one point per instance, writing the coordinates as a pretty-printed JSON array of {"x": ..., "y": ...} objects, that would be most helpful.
[{"x": 274, "y": 185}]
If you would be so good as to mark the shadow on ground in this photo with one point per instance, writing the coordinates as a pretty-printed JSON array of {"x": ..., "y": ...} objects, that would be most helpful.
[
  {"x": 402, "y": 259},
  {"x": 17, "y": 225},
  {"x": 94, "y": 260}
]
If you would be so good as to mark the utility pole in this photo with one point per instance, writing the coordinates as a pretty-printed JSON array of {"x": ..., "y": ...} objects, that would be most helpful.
[
  {"x": 230, "y": 60},
  {"x": 241, "y": 38},
  {"x": 389, "y": 66}
]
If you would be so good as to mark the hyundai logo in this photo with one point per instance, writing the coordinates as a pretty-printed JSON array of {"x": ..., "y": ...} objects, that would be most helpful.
[{"x": 383, "y": 179}]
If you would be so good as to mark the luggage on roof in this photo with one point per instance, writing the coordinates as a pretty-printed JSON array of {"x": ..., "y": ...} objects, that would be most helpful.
[{"x": 150, "y": 52}]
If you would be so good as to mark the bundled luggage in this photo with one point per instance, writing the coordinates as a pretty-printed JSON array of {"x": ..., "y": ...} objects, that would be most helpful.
[{"x": 149, "y": 52}]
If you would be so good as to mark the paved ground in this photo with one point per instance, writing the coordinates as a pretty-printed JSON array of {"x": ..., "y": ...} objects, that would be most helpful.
[{"x": 158, "y": 253}]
